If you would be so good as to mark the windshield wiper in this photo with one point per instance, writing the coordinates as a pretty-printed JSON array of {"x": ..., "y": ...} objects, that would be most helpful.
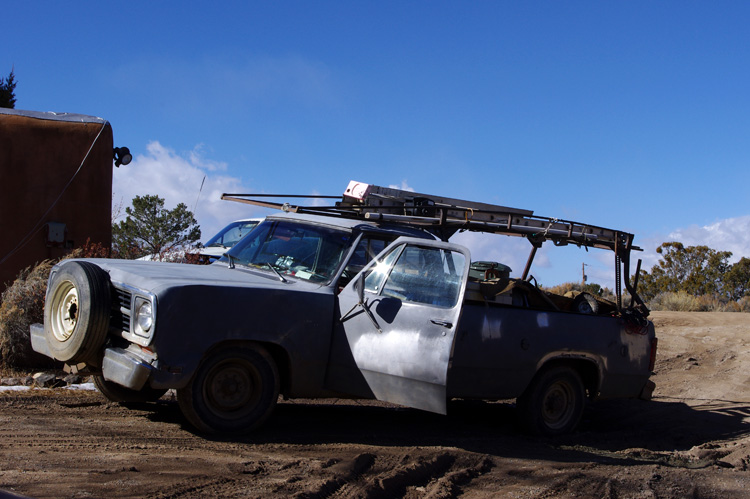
[{"x": 275, "y": 271}]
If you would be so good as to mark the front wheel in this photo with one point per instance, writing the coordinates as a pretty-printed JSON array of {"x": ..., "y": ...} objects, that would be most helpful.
[
  {"x": 234, "y": 390},
  {"x": 553, "y": 404}
]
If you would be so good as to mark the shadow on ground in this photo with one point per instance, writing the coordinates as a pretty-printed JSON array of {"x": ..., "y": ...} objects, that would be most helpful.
[{"x": 608, "y": 427}]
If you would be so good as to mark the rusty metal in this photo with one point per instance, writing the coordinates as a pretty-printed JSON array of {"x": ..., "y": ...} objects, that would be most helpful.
[{"x": 445, "y": 216}]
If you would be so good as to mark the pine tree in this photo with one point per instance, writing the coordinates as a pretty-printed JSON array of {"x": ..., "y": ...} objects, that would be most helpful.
[
  {"x": 8, "y": 91},
  {"x": 150, "y": 229}
]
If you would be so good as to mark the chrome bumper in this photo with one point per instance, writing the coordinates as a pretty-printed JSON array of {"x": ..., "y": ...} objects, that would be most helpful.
[
  {"x": 124, "y": 368},
  {"x": 39, "y": 341},
  {"x": 118, "y": 365}
]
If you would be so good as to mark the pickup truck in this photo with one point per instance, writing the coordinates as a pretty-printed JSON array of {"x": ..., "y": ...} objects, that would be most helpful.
[{"x": 359, "y": 300}]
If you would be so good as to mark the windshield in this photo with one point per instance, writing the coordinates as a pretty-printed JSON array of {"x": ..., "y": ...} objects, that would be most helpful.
[
  {"x": 304, "y": 251},
  {"x": 229, "y": 235}
]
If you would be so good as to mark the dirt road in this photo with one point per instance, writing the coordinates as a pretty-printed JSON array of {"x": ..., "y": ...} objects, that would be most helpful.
[{"x": 692, "y": 440}]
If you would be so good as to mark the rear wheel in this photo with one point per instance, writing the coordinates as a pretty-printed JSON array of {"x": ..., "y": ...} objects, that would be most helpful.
[
  {"x": 76, "y": 312},
  {"x": 234, "y": 390},
  {"x": 118, "y": 393},
  {"x": 553, "y": 404}
]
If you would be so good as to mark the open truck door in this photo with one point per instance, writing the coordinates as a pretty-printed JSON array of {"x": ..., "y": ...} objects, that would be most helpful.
[{"x": 399, "y": 317}]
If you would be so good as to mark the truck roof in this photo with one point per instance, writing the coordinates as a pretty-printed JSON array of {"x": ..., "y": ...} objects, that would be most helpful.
[{"x": 352, "y": 223}]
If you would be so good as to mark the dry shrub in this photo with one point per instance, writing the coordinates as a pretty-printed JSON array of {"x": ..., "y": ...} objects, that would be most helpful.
[
  {"x": 23, "y": 305},
  {"x": 683, "y": 302},
  {"x": 678, "y": 302},
  {"x": 90, "y": 250},
  {"x": 563, "y": 288},
  {"x": 195, "y": 258},
  {"x": 593, "y": 289},
  {"x": 708, "y": 303},
  {"x": 741, "y": 305}
]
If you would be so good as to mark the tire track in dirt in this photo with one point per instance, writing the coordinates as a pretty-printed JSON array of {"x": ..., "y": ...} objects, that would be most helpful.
[
  {"x": 370, "y": 476},
  {"x": 409, "y": 474},
  {"x": 345, "y": 474},
  {"x": 450, "y": 485},
  {"x": 201, "y": 486}
]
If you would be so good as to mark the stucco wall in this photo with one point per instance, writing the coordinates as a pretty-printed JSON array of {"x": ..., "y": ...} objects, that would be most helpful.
[{"x": 44, "y": 179}]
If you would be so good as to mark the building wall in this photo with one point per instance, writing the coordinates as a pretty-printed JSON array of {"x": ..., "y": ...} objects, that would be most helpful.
[{"x": 45, "y": 183}]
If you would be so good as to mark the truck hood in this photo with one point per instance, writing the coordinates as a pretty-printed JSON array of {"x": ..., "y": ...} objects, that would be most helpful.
[{"x": 156, "y": 277}]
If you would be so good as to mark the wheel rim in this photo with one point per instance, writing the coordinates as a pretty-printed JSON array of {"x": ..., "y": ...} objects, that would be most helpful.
[
  {"x": 232, "y": 389},
  {"x": 65, "y": 310},
  {"x": 558, "y": 405}
]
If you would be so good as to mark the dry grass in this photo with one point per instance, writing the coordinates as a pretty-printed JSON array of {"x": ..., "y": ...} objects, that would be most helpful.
[
  {"x": 22, "y": 305},
  {"x": 684, "y": 302},
  {"x": 675, "y": 302}
]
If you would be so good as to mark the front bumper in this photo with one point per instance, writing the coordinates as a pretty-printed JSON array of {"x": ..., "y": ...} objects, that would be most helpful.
[
  {"x": 39, "y": 341},
  {"x": 124, "y": 368},
  {"x": 118, "y": 365}
]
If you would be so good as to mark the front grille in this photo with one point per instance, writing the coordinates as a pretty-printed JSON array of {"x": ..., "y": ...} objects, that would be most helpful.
[{"x": 121, "y": 310}]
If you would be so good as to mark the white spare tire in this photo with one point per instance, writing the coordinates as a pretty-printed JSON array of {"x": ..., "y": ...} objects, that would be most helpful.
[{"x": 77, "y": 311}]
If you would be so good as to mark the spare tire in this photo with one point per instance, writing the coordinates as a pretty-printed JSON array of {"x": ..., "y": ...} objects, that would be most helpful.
[
  {"x": 586, "y": 303},
  {"x": 77, "y": 311}
]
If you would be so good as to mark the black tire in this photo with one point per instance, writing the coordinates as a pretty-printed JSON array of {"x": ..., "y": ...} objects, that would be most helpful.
[
  {"x": 585, "y": 303},
  {"x": 76, "y": 312},
  {"x": 118, "y": 393},
  {"x": 553, "y": 403},
  {"x": 234, "y": 390}
]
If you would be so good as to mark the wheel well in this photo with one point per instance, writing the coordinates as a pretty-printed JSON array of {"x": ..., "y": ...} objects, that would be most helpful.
[
  {"x": 276, "y": 352},
  {"x": 586, "y": 369}
]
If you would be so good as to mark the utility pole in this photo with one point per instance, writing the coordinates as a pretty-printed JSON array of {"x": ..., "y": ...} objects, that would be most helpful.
[{"x": 583, "y": 276}]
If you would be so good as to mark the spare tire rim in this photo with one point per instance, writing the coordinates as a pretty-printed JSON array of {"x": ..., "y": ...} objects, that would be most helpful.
[{"x": 64, "y": 311}]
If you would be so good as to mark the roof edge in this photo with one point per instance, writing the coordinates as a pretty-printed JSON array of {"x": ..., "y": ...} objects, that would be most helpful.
[{"x": 53, "y": 116}]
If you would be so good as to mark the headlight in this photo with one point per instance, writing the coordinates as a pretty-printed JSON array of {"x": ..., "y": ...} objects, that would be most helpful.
[{"x": 144, "y": 317}]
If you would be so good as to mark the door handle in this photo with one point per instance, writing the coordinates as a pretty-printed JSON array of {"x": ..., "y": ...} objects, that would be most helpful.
[{"x": 445, "y": 324}]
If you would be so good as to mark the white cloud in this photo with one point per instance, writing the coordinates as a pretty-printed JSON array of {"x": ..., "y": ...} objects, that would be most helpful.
[
  {"x": 731, "y": 234},
  {"x": 404, "y": 186},
  {"x": 178, "y": 179}
]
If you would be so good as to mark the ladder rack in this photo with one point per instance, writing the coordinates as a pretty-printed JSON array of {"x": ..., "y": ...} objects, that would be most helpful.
[{"x": 445, "y": 216}]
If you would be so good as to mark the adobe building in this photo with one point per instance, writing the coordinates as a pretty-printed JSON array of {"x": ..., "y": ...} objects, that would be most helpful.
[{"x": 55, "y": 186}]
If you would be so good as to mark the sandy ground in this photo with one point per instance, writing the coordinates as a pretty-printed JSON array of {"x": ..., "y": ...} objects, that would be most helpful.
[{"x": 692, "y": 440}]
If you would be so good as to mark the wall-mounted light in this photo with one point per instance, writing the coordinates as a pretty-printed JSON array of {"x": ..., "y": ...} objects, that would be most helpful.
[{"x": 122, "y": 156}]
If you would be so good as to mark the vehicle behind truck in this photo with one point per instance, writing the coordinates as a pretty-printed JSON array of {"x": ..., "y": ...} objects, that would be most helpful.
[{"x": 365, "y": 298}]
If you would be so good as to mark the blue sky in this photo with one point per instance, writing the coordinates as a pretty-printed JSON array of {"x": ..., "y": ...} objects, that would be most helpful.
[{"x": 629, "y": 115}]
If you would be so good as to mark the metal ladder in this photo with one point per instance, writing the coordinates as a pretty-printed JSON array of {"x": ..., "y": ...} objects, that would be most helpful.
[{"x": 445, "y": 216}]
